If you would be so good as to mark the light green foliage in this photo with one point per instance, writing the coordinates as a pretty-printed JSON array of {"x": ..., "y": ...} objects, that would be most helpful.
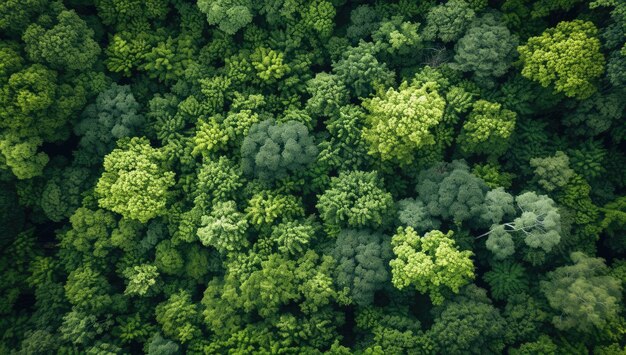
[
  {"x": 141, "y": 278},
  {"x": 432, "y": 263},
  {"x": 506, "y": 279},
  {"x": 614, "y": 223},
  {"x": 135, "y": 183},
  {"x": 114, "y": 115},
  {"x": 269, "y": 65},
  {"x": 293, "y": 237},
  {"x": 498, "y": 206},
  {"x": 226, "y": 176},
  {"x": 400, "y": 121},
  {"x": 229, "y": 15},
  {"x": 539, "y": 223},
  {"x": 397, "y": 36},
  {"x": 268, "y": 207},
  {"x": 469, "y": 324},
  {"x": 217, "y": 181},
  {"x": 552, "y": 172},
  {"x": 67, "y": 45},
  {"x": 328, "y": 94},
  {"x": 583, "y": 294},
  {"x": 178, "y": 317},
  {"x": 488, "y": 129},
  {"x": 356, "y": 199},
  {"x": 362, "y": 263},
  {"x": 271, "y": 151},
  {"x": 567, "y": 56},
  {"x": 486, "y": 48},
  {"x": 492, "y": 175},
  {"x": 80, "y": 328},
  {"x": 448, "y": 21},
  {"x": 224, "y": 228}
]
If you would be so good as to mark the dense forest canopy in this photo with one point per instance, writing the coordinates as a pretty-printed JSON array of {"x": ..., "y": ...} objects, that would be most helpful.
[{"x": 313, "y": 176}]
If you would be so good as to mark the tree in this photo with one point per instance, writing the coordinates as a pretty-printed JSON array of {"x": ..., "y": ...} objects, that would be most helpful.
[
  {"x": 328, "y": 94},
  {"x": 448, "y": 21},
  {"x": 114, "y": 115},
  {"x": 179, "y": 317},
  {"x": 361, "y": 72},
  {"x": 539, "y": 223},
  {"x": 224, "y": 228},
  {"x": 431, "y": 263},
  {"x": 552, "y": 172},
  {"x": 400, "y": 121},
  {"x": 583, "y": 294},
  {"x": 272, "y": 151},
  {"x": 450, "y": 191},
  {"x": 506, "y": 279},
  {"x": 362, "y": 258},
  {"x": 141, "y": 278},
  {"x": 355, "y": 199},
  {"x": 229, "y": 15},
  {"x": 488, "y": 129},
  {"x": 567, "y": 56},
  {"x": 413, "y": 213},
  {"x": 135, "y": 183},
  {"x": 68, "y": 44},
  {"x": 486, "y": 49},
  {"x": 469, "y": 323}
]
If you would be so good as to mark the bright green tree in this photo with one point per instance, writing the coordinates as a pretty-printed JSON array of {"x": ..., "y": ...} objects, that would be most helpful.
[
  {"x": 567, "y": 56},
  {"x": 432, "y": 263}
]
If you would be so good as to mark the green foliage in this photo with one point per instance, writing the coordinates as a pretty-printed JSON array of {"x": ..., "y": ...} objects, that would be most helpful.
[
  {"x": 224, "y": 228},
  {"x": 400, "y": 121},
  {"x": 506, "y": 279},
  {"x": 469, "y": 324},
  {"x": 447, "y": 22},
  {"x": 226, "y": 176},
  {"x": 271, "y": 151},
  {"x": 583, "y": 294},
  {"x": 488, "y": 129},
  {"x": 360, "y": 71},
  {"x": 552, "y": 172},
  {"x": 450, "y": 191},
  {"x": 178, "y": 317},
  {"x": 114, "y": 115},
  {"x": 567, "y": 56},
  {"x": 362, "y": 258},
  {"x": 135, "y": 183},
  {"x": 67, "y": 45},
  {"x": 356, "y": 199},
  {"x": 486, "y": 49},
  {"x": 229, "y": 15},
  {"x": 431, "y": 263},
  {"x": 140, "y": 279}
]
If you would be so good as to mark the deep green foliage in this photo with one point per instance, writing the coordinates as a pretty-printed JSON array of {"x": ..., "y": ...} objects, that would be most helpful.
[{"x": 312, "y": 177}]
